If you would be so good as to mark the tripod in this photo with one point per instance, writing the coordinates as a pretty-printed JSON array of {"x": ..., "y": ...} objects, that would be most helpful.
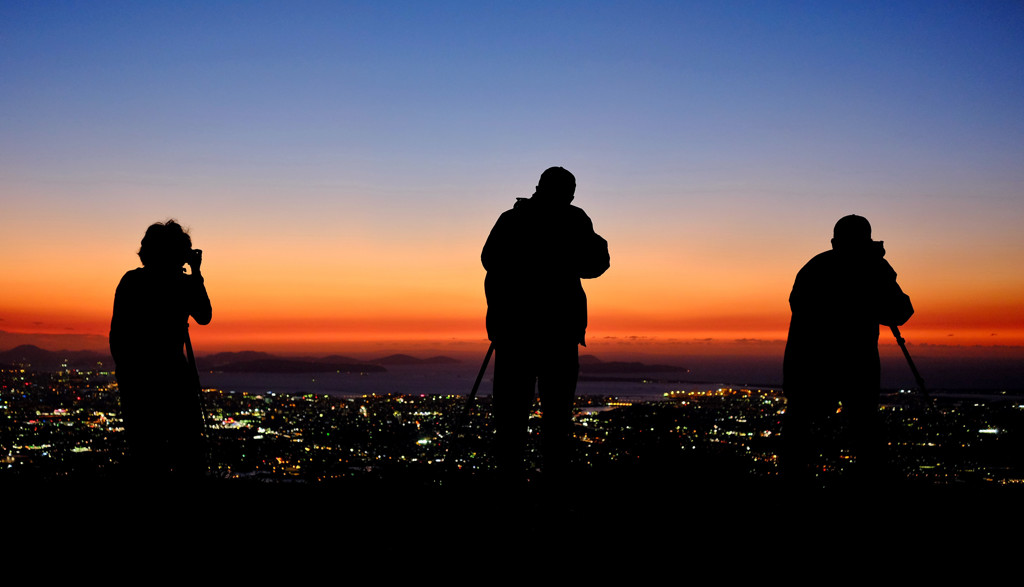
[{"x": 913, "y": 368}]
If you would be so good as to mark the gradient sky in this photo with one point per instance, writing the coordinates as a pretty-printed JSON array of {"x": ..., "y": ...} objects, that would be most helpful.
[{"x": 341, "y": 163}]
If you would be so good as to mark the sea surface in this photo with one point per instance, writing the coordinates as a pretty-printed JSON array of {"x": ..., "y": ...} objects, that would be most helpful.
[
  {"x": 431, "y": 380},
  {"x": 458, "y": 379}
]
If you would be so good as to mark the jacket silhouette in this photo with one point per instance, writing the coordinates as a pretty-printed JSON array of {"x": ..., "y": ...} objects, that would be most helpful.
[
  {"x": 148, "y": 329},
  {"x": 535, "y": 257}
]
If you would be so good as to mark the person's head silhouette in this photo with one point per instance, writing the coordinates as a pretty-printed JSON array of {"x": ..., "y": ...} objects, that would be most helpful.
[
  {"x": 556, "y": 185},
  {"x": 852, "y": 234},
  {"x": 166, "y": 246}
]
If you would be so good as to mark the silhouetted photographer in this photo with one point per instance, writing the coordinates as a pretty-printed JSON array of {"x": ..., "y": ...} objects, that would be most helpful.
[
  {"x": 839, "y": 299},
  {"x": 148, "y": 332},
  {"x": 535, "y": 257}
]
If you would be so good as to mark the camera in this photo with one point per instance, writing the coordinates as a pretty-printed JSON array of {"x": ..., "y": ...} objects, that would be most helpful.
[{"x": 878, "y": 248}]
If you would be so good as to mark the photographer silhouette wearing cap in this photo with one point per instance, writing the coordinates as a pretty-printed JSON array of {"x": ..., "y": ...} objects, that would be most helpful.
[{"x": 839, "y": 299}]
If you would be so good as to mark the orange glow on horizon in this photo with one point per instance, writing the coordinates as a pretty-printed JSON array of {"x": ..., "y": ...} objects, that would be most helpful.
[{"x": 271, "y": 297}]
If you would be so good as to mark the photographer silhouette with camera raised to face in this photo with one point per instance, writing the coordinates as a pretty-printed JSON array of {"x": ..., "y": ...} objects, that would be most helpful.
[
  {"x": 839, "y": 299},
  {"x": 148, "y": 332}
]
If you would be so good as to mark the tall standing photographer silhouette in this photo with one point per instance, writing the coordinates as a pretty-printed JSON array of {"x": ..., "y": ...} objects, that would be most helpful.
[
  {"x": 535, "y": 257},
  {"x": 148, "y": 333}
]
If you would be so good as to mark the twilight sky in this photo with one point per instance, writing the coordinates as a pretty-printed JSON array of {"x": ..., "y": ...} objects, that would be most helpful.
[{"x": 341, "y": 163}]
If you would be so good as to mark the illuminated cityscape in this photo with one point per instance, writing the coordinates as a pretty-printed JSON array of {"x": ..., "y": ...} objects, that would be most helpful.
[{"x": 67, "y": 424}]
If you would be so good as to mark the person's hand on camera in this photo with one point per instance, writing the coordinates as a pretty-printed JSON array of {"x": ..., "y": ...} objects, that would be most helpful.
[{"x": 195, "y": 260}]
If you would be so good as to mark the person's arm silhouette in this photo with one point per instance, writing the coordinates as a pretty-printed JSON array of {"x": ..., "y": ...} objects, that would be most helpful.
[{"x": 199, "y": 304}]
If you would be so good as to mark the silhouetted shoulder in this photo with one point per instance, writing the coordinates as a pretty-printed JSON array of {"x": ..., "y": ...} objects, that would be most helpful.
[
  {"x": 843, "y": 285},
  {"x": 579, "y": 212},
  {"x": 131, "y": 279},
  {"x": 497, "y": 252}
]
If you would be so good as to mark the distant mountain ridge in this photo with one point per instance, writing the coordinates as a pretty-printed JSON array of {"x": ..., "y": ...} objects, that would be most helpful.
[
  {"x": 217, "y": 359},
  {"x": 401, "y": 359},
  {"x": 275, "y": 365},
  {"x": 40, "y": 359},
  {"x": 261, "y": 362}
]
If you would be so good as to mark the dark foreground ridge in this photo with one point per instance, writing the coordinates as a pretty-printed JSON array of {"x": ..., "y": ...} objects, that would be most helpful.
[{"x": 647, "y": 516}]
